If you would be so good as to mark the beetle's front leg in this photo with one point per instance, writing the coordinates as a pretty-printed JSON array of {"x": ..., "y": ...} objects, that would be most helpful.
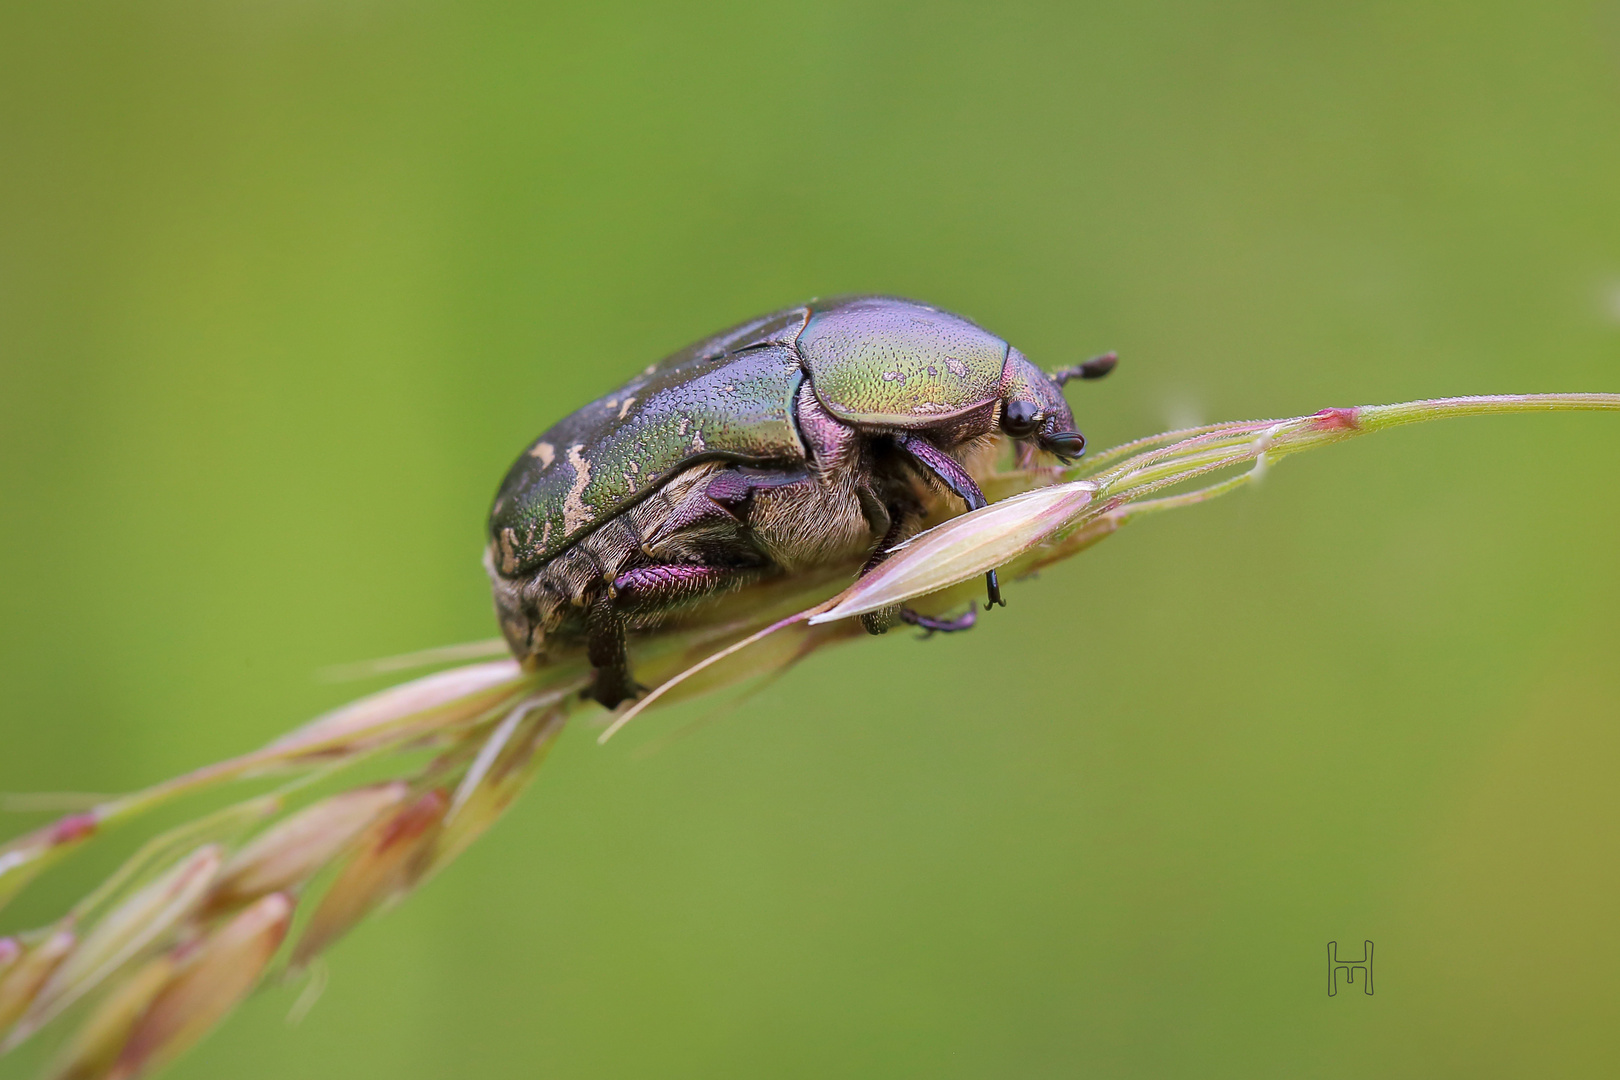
[{"x": 960, "y": 481}]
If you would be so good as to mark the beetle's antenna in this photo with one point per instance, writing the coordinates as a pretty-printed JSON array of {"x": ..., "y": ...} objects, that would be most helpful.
[{"x": 1095, "y": 368}]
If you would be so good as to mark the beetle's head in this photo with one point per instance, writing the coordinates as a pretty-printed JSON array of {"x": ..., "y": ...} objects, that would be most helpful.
[{"x": 1033, "y": 409}]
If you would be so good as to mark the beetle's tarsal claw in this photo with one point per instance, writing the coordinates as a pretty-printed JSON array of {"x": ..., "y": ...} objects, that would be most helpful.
[
  {"x": 992, "y": 587},
  {"x": 613, "y": 691}
]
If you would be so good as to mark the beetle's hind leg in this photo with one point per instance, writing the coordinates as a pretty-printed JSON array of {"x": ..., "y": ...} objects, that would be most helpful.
[
  {"x": 604, "y": 647},
  {"x": 653, "y": 588},
  {"x": 992, "y": 588}
]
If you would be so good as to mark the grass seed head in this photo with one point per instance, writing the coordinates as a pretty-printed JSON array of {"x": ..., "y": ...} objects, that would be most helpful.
[
  {"x": 139, "y": 923},
  {"x": 211, "y": 977},
  {"x": 964, "y": 547},
  {"x": 176, "y": 955}
]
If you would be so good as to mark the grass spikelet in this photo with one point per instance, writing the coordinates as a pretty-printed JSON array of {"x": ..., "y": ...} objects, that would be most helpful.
[
  {"x": 504, "y": 767},
  {"x": 30, "y": 971},
  {"x": 288, "y": 855},
  {"x": 964, "y": 547},
  {"x": 94, "y": 1049},
  {"x": 26, "y": 857},
  {"x": 121, "y": 935},
  {"x": 386, "y": 864},
  {"x": 211, "y": 978}
]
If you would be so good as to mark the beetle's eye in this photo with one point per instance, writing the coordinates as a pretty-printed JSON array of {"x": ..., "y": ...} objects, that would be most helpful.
[{"x": 1018, "y": 418}]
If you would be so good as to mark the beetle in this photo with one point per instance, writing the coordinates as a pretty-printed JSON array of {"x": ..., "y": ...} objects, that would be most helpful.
[{"x": 805, "y": 438}]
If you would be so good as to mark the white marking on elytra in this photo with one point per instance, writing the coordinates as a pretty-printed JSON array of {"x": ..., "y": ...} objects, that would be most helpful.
[
  {"x": 957, "y": 368},
  {"x": 546, "y": 453},
  {"x": 629, "y": 401},
  {"x": 508, "y": 546},
  {"x": 894, "y": 376},
  {"x": 575, "y": 514}
]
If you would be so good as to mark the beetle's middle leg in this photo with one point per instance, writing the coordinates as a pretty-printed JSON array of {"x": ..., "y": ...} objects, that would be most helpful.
[
  {"x": 884, "y": 619},
  {"x": 933, "y": 624}
]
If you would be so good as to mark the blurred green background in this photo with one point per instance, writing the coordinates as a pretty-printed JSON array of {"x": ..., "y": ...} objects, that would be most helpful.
[{"x": 284, "y": 286}]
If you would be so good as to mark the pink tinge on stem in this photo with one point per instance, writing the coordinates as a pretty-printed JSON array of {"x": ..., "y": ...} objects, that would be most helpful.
[
  {"x": 73, "y": 828},
  {"x": 10, "y": 950},
  {"x": 23, "y": 858},
  {"x": 1336, "y": 420},
  {"x": 388, "y": 862},
  {"x": 211, "y": 978},
  {"x": 28, "y": 974}
]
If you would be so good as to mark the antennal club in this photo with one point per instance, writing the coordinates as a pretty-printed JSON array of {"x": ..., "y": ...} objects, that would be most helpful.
[{"x": 1095, "y": 368}]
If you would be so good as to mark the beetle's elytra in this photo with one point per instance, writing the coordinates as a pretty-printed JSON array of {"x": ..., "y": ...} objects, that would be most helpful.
[{"x": 803, "y": 438}]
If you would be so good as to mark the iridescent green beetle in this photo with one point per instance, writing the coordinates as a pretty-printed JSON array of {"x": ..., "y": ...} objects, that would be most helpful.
[{"x": 805, "y": 438}]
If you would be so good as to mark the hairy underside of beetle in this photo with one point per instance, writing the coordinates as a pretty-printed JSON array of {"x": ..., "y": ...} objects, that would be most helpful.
[{"x": 717, "y": 526}]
